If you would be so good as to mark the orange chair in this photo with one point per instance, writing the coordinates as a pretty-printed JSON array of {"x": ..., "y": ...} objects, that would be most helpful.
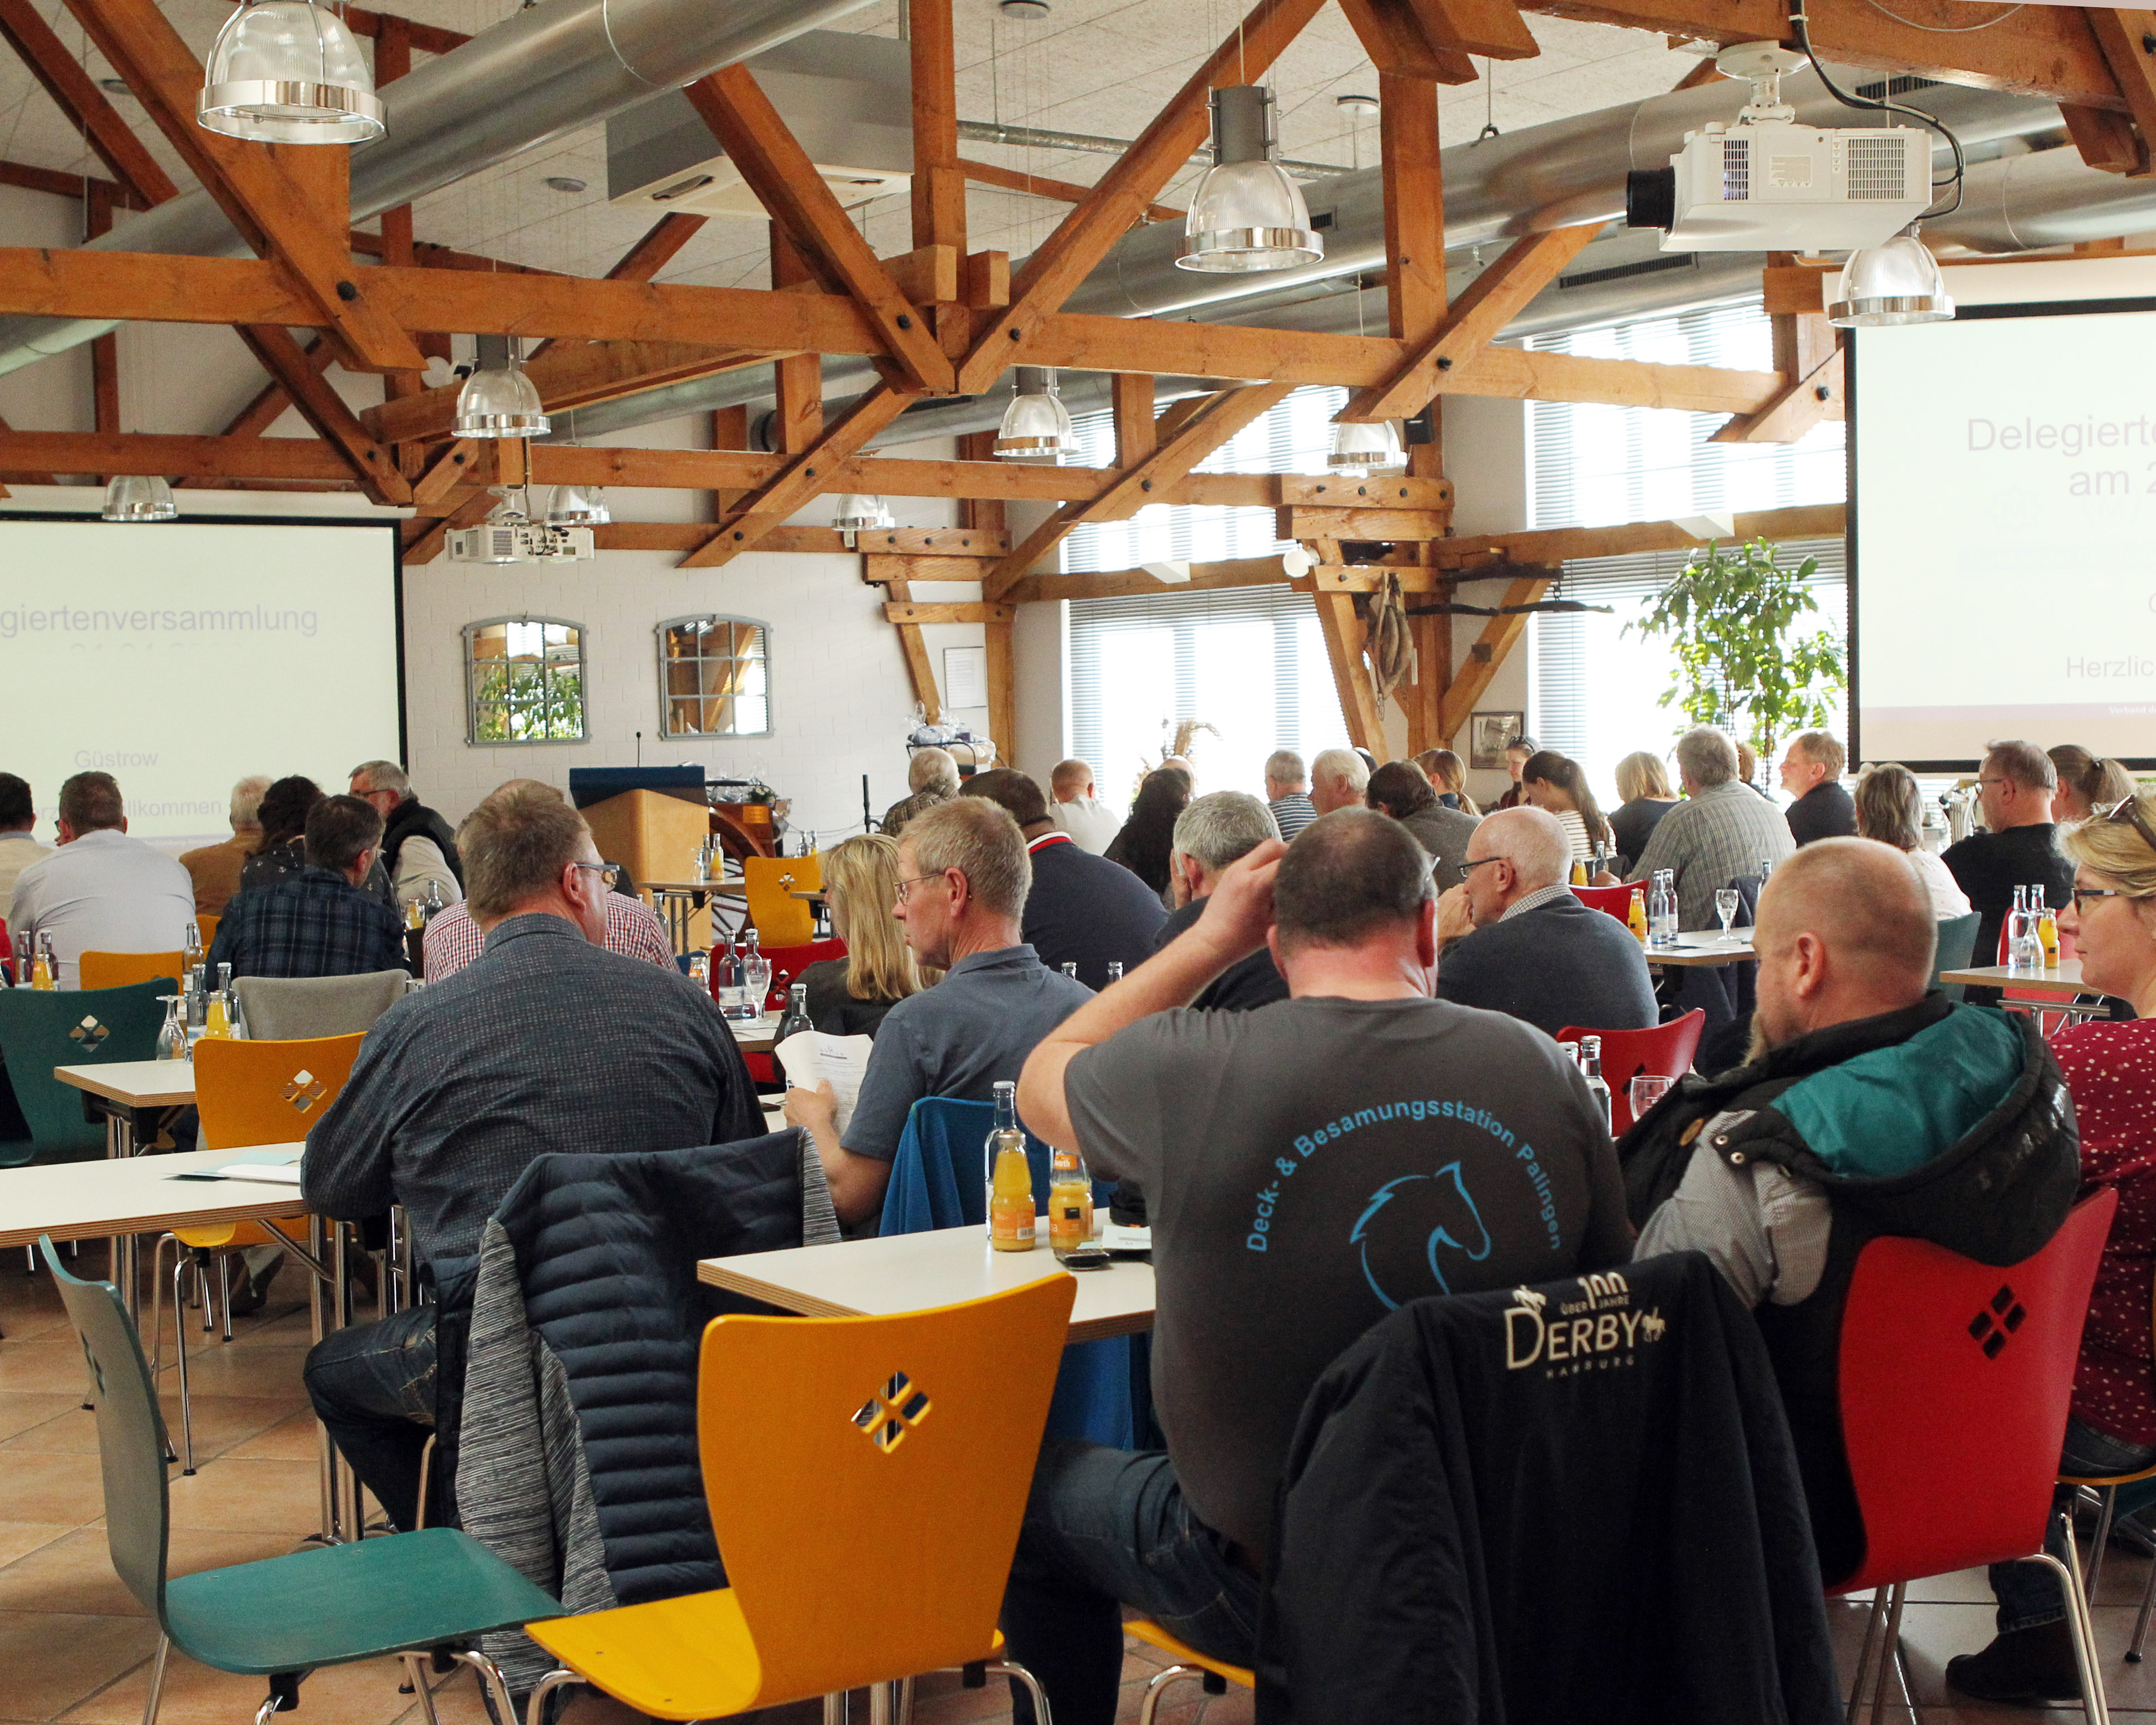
[
  {"x": 1664, "y": 1051},
  {"x": 206, "y": 927},
  {"x": 116, "y": 970},
  {"x": 247, "y": 1093},
  {"x": 770, "y": 882},
  {"x": 935, "y": 1459}
]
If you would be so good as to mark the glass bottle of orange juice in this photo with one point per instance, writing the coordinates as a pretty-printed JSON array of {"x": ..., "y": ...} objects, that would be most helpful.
[
  {"x": 217, "y": 1020},
  {"x": 1010, "y": 1177},
  {"x": 2047, "y": 929},
  {"x": 1070, "y": 1202},
  {"x": 45, "y": 970},
  {"x": 1636, "y": 917}
]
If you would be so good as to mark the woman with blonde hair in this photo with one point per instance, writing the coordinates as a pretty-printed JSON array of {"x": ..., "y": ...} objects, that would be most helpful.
[
  {"x": 849, "y": 996},
  {"x": 2107, "y": 1065},
  {"x": 1447, "y": 775},
  {"x": 2088, "y": 784},
  {"x": 1890, "y": 808},
  {"x": 1644, "y": 796}
]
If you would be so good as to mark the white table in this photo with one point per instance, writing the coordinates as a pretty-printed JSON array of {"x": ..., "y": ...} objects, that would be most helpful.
[
  {"x": 138, "y": 1194},
  {"x": 2062, "y": 981},
  {"x": 134, "y": 1089},
  {"x": 911, "y": 1272},
  {"x": 1704, "y": 951},
  {"x": 756, "y": 1035}
]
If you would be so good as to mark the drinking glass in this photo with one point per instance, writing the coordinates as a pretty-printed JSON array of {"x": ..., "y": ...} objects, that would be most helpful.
[
  {"x": 756, "y": 972},
  {"x": 1726, "y": 901},
  {"x": 173, "y": 1035},
  {"x": 1646, "y": 1091}
]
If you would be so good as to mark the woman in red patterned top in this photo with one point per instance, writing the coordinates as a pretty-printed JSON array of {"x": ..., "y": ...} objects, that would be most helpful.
[{"x": 2110, "y": 1070}]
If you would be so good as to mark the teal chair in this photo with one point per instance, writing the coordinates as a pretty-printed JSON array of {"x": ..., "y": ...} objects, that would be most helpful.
[
  {"x": 408, "y": 1593},
  {"x": 42, "y": 1029},
  {"x": 1957, "y": 946}
]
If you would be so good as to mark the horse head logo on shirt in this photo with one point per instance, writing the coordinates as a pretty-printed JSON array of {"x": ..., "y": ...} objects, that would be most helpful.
[{"x": 1434, "y": 1214}]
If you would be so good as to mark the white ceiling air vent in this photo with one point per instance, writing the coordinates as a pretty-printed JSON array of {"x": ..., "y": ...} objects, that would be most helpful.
[{"x": 847, "y": 100}]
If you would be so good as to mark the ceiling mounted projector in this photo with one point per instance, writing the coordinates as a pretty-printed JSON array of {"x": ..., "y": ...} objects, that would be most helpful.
[
  {"x": 1763, "y": 182},
  {"x": 509, "y": 535}
]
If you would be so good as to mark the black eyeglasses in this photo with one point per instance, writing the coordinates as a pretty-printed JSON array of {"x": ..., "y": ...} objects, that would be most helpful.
[
  {"x": 1477, "y": 862},
  {"x": 610, "y": 873},
  {"x": 2081, "y": 893}
]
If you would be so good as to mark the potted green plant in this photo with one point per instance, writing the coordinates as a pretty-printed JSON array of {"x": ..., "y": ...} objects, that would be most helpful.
[{"x": 1741, "y": 661}]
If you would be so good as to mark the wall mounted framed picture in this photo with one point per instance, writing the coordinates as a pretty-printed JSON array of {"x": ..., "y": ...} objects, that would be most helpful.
[{"x": 1487, "y": 735}]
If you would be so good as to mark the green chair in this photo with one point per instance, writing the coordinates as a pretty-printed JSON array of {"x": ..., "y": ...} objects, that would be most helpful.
[
  {"x": 407, "y": 1594},
  {"x": 1957, "y": 946},
  {"x": 42, "y": 1029}
]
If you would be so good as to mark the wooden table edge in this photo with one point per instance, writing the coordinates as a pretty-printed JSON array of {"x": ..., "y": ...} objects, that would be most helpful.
[
  {"x": 81, "y": 1078},
  {"x": 792, "y": 1299},
  {"x": 162, "y": 1221}
]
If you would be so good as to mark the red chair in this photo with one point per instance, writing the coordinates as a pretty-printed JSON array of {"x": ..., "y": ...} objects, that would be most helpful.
[
  {"x": 2051, "y": 1015},
  {"x": 1955, "y": 1379},
  {"x": 788, "y": 962},
  {"x": 1617, "y": 901},
  {"x": 1663, "y": 1052}
]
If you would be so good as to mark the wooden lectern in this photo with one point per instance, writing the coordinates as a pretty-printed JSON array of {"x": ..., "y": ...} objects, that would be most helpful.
[{"x": 654, "y": 835}]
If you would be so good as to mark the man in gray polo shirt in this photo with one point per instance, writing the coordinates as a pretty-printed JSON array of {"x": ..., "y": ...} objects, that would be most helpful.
[{"x": 963, "y": 877}]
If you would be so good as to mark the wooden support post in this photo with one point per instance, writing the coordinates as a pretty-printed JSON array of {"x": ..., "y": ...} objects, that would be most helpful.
[
  {"x": 1500, "y": 636},
  {"x": 393, "y": 59},
  {"x": 1009, "y": 179},
  {"x": 1136, "y": 439},
  {"x": 798, "y": 421},
  {"x": 1003, "y": 690},
  {"x": 105, "y": 349},
  {"x": 1344, "y": 632},
  {"x": 982, "y": 515}
]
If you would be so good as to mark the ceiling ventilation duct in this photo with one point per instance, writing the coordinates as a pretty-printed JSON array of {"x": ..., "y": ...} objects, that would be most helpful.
[{"x": 847, "y": 100}]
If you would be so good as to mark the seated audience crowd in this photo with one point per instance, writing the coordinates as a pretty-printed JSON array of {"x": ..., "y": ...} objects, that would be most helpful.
[{"x": 1314, "y": 1029}]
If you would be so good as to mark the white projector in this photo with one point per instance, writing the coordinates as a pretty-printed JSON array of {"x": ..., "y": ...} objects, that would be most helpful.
[
  {"x": 1763, "y": 182},
  {"x": 515, "y": 540}
]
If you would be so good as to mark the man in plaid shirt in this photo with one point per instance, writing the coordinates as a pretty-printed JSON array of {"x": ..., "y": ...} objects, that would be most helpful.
[{"x": 319, "y": 921}]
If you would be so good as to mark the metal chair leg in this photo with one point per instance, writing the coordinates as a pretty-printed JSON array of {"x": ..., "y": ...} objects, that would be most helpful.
[
  {"x": 1008, "y": 1668},
  {"x": 415, "y": 1669},
  {"x": 2141, "y": 1622},
  {"x": 1873, "y": 1622},
  {"x": 1161, "y": 1683},
  {"x": 202, "y": 1291},
  {"x": 1889, "y": 1652},
  {"x": 2106, "y": 1504},
  {"x": 180, "y": 1268},
  {"x": 158, "y": 1302},
  {"x": 156, "y": 1695},
  {"x": 835, "y": 1709},
  {"x": 489, "y": 1674},
  {"x": 2081, "y": 1625},
  {"x": 224, "y": 1292},
  {"x": 534, "y": 1709},
  {"x": 426, "y": 1472}
]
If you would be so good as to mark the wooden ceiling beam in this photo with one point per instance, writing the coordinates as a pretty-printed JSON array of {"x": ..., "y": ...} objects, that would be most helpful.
[
  {"x": 274, "y": 458},
  {"x": 741, "y": 527},
  {"x": 778, "y": 170},
  {"x": 1084, "y": 237},
  {"x": 1474, "y": 319},
  {"x": 267, "y": 406},
  {"x": 1196, "y": 433},
  {"x": 1009, "y": 179},
  {"x": 373, "y": 462},
  {"x": 2048, "y": 52},
  {"x": 428, "y": 39},
  {"x": 275, "y": 195},
  {"x": 54, "y": 65},
  {"x": 1392, "y": 35},
  {"x": 60, "y": 185},
  {"x": 2129, "y": 42},
  {"x": 567, "y": 375}
]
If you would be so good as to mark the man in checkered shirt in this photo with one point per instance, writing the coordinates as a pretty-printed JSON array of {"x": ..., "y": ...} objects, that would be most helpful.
[
  {"x": 632, "y": 929},
  {"x": 1720, "y": 830},
  {"x": 319, "y": 921}
]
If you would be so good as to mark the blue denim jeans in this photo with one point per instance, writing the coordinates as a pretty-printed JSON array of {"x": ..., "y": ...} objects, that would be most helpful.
[
  {"x": 372, "y": 1386},
  {"x": 2029, "y": 1594},
  {"x": 1105, "y": 1528}
]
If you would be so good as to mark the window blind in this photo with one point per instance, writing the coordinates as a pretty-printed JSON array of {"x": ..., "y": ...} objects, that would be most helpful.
[{"x": 1250, "y": 661}]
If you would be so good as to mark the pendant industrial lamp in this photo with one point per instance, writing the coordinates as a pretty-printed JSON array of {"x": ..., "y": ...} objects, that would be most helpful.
[
  {"x": 1248, "y": 214},
  {"x": 288, "y": 72},
  {"x": 1895, "y": 283},
  {"x": 577, "y": 506},
  {"x": 139, "y": 497},
  {"x": 1036, "y": 425},
  {"x": 861, "y": 512},
  {"x": 499, "y": 401},
  {"x": 1360, "y": 449}
]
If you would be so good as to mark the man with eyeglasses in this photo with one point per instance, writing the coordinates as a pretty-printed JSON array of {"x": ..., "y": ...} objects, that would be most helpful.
[
  {"x": 1522, "y": 943},
  {"x": 963, "y": 877},
  {"x": 547, "y": 1043},
  {"x": 2015, "y": 788}
]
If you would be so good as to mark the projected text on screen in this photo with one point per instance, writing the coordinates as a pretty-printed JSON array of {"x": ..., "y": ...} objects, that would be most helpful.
[
  {"x": 2004, "y": 512},
  {"x": 182, "y": 656}
]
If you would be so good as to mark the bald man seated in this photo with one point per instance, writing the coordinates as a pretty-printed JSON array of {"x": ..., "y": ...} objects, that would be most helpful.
[
  {"x": 1529, "y": 947},
  {"x": 1869, "y": 1105}
]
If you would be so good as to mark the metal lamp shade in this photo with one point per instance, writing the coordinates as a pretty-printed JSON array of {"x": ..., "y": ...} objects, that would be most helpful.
[
  {"x": 577, "y": 506},
  {"x": 860, "y": 513},
  {"x": 139, "y": 497},
  {"x": 1248, "y": 214},
  {"x": 1036, "y": 425},
  {"x": 499, "y": 402},
  {"x": 1359, "y": 450},
  {"x": 1883, "y": 285},
  {"x": 286, "y": 72}
]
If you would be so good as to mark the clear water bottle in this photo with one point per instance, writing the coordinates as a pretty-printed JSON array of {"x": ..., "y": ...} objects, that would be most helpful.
[
  {"x": 726, "y": 976},
  {"x": 1115, "y": 972},
  {"x": 2025, "y": 949},
  {"x": 1590, "y": 1066},
  {"x": 791, "y": 1023},
  {"x": 435, "y": 903},
  {"x": 191, "y": 944},
  {"x": 1070, "y": 968}
]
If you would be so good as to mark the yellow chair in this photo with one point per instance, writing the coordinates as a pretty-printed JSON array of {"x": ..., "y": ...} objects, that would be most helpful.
[
  {"x": 1214, "y": 1674},
  {"x": 247, "y": 1093},
  {"x": 206, "y": 927},
  {"x": 825, "y": 1441},
  {"x": 116, "y": 970},
  {"x": 780, "y": 919}
]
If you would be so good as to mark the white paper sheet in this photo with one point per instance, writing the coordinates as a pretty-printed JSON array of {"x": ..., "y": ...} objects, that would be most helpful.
[{"x": 811, "y": 1057}]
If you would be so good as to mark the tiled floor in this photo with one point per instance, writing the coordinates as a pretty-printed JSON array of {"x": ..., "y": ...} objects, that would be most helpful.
[{"x": 74, "y": 1645}]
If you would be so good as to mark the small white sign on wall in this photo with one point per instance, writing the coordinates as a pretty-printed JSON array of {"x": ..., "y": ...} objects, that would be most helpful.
[{"x": 965, "y": 677}]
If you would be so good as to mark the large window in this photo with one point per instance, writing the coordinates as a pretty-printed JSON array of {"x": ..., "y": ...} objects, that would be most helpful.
[
  {"x": 1594, "y": 691},
  {"x": 714, "y": 677},
  {"x": 1295, "y": 437},
  {"x": 1591, "y": 464},
  {"x": 524, "y": 680},
  {"x": 1248, "y": 661}
]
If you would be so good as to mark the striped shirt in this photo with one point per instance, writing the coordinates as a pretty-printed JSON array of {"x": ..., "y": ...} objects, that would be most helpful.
[
  {"x": 1293, "y": 812},
  {"x": 453, "y": 939}
]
